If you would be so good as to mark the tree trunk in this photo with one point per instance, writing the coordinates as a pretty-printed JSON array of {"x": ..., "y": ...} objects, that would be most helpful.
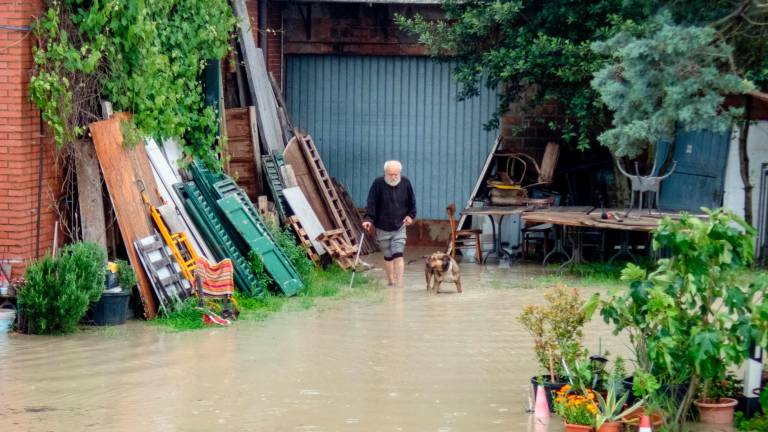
[
  {"x": 744, "y": 159},
  {"x": 685, "y": 405}
]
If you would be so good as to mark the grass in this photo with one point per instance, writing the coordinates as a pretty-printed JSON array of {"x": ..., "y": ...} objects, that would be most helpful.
[{"x": 330, "y": 283}]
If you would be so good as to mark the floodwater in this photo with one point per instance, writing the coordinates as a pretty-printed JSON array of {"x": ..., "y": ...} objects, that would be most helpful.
[{"x": 399, "y": 360}]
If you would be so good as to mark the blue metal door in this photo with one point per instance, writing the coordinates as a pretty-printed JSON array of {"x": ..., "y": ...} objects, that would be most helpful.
[
  {"x": 699, "y": 178},
  {"x": 363, "y": 111}
]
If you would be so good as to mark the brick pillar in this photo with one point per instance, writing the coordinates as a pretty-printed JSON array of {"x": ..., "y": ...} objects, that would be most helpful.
[
  {"x": 20, "y": 144},
  {"x": 275, "y": 40}
]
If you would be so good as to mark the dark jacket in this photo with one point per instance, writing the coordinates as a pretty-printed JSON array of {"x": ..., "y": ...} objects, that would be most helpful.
[{"x": 389, "y": 205}]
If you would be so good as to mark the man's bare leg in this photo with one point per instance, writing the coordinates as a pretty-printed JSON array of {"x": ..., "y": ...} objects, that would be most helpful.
[
  {"x": 399, "y": 264},
  {"x": 390, "y": 272}
]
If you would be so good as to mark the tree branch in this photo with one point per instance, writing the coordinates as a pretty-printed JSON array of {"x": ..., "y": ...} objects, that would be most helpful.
[{"x": 737, "y": 12}]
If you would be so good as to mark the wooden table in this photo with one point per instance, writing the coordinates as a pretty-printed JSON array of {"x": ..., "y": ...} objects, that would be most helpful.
[
  {"x": 578, "y": 218},
  {"x": 492, "y": 212}
]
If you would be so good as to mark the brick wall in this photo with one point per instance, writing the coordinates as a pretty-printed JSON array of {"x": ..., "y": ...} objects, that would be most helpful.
[
  {"x": 351, "y": 28},
  {"x": 253, "y": 14},
  {"x": 274, "y": 39},
  {"x": 20, "y": 144}
]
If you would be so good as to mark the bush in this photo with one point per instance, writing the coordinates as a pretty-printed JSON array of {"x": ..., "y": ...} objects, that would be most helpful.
[{"x": 58, "y": 290}]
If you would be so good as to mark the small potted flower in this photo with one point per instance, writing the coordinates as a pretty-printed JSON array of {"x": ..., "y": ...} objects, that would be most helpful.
[
  {"x": 717, "y": 403},
  {"x": 578, "y": 409}
]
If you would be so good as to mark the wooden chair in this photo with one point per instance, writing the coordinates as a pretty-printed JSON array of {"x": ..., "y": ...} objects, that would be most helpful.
[{"x": 463, "y": 239}]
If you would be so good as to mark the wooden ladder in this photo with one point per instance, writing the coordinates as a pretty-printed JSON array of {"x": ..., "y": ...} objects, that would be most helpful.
[{"x": 328, "y": 189}]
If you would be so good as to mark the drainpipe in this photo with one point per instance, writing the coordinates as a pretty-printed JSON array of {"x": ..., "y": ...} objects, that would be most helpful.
[
  {"x": 39, "y": 187},
  {"x": 263, "y": 26}
]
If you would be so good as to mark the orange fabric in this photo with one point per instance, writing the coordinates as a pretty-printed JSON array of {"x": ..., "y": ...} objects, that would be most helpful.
[{"x": 218, "y": 278}]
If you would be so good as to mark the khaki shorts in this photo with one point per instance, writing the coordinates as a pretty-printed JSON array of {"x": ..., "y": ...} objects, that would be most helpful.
[{"x": 391, "y": 243}]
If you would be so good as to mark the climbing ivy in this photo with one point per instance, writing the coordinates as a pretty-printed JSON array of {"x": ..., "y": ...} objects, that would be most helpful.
[{"x": 144, "y": 56}]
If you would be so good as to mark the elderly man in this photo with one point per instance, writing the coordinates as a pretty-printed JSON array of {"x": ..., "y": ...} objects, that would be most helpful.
[{"x": 391, "y": 207}]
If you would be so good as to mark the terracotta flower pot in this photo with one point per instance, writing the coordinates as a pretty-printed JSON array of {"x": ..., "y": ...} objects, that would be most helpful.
[
  {"x": 718, "y": 412},
  {"x": 577, "y": 428},
  {"x": 610, "y": 427}
]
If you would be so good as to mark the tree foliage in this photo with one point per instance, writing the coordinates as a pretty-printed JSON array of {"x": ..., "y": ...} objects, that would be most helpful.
[
  {"x": 670, "y": 75},
  {"x": 144, "y": 56},
  {"x": 539, "y": 51},
  {"x": 693, "y": 317}
]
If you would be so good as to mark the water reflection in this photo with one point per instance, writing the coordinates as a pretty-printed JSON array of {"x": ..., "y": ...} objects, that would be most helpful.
[{"x": 400, "y": 360}]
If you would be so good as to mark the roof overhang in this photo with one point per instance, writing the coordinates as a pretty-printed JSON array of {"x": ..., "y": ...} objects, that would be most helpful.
[{"x": 397, "y": 2}]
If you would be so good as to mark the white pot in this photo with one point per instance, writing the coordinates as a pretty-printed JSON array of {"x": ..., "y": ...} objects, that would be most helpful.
[{"x": 7, "y": 317}]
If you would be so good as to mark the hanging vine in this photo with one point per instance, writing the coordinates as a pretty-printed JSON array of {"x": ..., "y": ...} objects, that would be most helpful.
[{"x": 144, "y": 56}]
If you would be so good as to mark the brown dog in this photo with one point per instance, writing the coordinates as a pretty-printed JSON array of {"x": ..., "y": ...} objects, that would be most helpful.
[{"x": 439, "y": 268}]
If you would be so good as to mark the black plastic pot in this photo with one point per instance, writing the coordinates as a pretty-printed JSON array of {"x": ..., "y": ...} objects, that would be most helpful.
[
  {"x": 678, "y": 390},
  {"x": 549, "y": 388},
  {"x": 111, "y": 309}
]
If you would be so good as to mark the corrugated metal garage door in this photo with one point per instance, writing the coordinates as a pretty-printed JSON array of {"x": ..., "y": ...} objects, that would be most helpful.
[{"x": 363, "y": 111}]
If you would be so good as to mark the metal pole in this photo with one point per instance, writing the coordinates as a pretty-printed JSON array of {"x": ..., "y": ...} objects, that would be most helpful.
[{"x": 357, "y": 257}]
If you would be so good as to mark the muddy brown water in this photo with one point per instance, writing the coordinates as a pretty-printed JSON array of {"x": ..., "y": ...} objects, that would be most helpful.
[{"x": 398, "y": 360}]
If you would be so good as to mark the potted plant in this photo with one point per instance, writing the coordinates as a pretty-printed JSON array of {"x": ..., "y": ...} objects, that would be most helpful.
[
  {"x": 578, "y": 409},
  {"x": 557, "y": 335},
  {"x": 717, "y": 403},
  {"x": 612, "y": 407},
  {"x": 112, "y": 306},
  {"x": 692, "y": 317}
]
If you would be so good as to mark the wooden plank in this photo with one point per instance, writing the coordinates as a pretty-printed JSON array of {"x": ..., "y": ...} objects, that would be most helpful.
[
  {"x": 549, "y": 162},
  {"x": 306, "y": 181},
  {"x": 89, "y": 194},
  {"x": 282, "y": 109},
  {"x": 288, "y": 177},
  {"x": 241, "y": 151},
  {"x": 258, "y": 82},
  {"x": 125, "y": 170},
  {"x": 303, "y": 210},
  {"x": 253, "y": 122}
]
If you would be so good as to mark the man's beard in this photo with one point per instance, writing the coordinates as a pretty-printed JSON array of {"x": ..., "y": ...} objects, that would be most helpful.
[{"x": 392, "y": 182}]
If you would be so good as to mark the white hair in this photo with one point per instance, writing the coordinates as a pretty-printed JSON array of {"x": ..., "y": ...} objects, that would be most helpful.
[{"x": 393, "y": 164}]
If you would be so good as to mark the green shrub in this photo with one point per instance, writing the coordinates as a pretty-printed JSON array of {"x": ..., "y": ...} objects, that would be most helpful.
[
  {"x": 58, "y": 290},
  {"x": 295, "y": 253}
]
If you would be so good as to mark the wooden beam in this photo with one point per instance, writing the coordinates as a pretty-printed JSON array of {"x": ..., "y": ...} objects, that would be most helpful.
[
  {"x": 89, "y": 196},
  {"x": 258, "y": 83}
]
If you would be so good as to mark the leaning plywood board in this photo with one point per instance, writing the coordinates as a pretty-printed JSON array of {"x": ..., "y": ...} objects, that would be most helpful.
[
  {"x": 240, "y": 151},
  {"x": 89, "y": 194},
  {"x": 127, "y": 173},
  {"x": 306, "y": 181},
  {"x": 306, "y": 215},
  {"x": 258, "y": 82},
  {"x": 165, "y": 178}
]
